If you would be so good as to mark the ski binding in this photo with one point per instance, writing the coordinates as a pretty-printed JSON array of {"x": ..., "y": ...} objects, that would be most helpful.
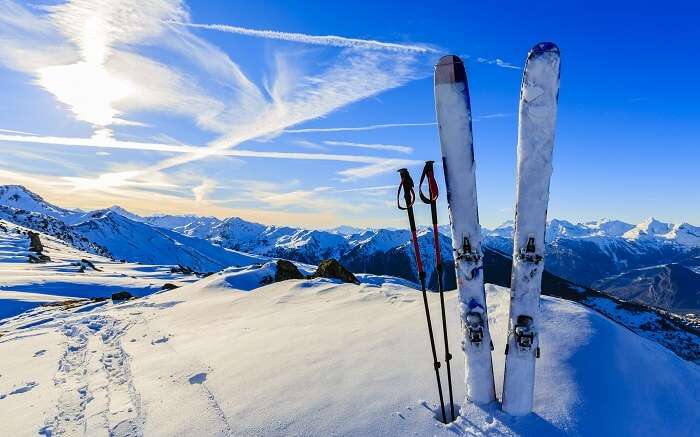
[
  {"x": 529, "y": 254},
  {"x": 524, "y": 332}
]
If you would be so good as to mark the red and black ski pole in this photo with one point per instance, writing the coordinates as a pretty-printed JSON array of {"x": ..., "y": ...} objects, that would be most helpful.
[
  {"x": 409, "y": 196},
  {"x": 431, "y": 199}
]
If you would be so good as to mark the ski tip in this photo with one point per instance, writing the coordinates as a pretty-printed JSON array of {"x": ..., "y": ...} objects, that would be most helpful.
[
  {"x": 543, "y": 47},
  {"x": 450, "y": 69}
]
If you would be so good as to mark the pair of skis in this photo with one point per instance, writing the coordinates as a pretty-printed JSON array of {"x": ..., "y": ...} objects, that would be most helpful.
[
  {"x": 537, "y": 116},
  {"x": 407, "y": 187}
]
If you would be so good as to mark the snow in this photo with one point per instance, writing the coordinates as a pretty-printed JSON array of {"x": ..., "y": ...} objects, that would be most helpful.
[
  {"x": 24, "y": 286},
  {"x": 319, "y": 358}
]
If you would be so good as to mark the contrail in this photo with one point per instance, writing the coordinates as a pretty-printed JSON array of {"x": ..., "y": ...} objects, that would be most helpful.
[
  {"x": 391, "y": 147},
  {"x": 111, "y": 143},
  {"x": 324, "y": 40},
  {"x": 358, "y": 128}
]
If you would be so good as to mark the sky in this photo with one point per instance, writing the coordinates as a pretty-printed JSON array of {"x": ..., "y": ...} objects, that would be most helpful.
[{"x": 301, "y": 115}]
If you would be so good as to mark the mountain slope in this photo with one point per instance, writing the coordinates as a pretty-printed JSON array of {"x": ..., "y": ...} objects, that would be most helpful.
[
  {"x": 671, "y": 286},
  {"x": 51, "y": 226},
  {"x": 18, "y": 197},
  {"x": 140, "y": 242},
  {"x": 331, "y": 359}
]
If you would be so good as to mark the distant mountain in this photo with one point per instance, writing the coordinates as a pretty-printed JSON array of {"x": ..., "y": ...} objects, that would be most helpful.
[
  {"x": 589, "y": 252},
  {"x": 671, "y": 286},
  {"x": 19, "y": 197},
  {"x": 346, "y": 230},
  {"x": 135, "y": 241},
  {"x": 191, "y": 225},
  {"x": 51, "y": 226}
]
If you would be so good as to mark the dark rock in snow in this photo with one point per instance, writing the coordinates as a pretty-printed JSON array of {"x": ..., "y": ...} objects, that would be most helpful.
[
  {"x": 122, "y": 295},
  {"x": 85, "y": 264},
  {"x": 169, "y": 286},
  {"x": 331, "y": 268},
  {"x": 36, "y": 247},
  {"x": 35, "y": 242},
  {"x": 287, "y": 270}
]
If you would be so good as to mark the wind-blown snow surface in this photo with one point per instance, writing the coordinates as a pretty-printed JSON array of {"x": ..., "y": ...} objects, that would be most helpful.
[{"x": 318, "y": 358}]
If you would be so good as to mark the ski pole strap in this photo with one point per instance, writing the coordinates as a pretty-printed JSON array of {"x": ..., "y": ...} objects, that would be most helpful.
[
  {"x": 432, "y": 184},
  {"x": 407, "y": 187}
]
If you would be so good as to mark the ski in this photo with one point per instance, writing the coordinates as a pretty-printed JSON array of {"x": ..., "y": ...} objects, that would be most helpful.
[
  {"x": 431, "y": 199},
  {"x": 537, "y": 117},
  {"x": 409, "y": 196},
  {"x": 453, "y": 110}
]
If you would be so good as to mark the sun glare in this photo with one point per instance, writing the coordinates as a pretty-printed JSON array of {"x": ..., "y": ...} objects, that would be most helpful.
[{"x": 88, "y": 87}]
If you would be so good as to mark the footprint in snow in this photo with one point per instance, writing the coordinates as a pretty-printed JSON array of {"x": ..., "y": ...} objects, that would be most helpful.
[
  {"x": 198, "y": 378},
  {"x": 21, "y": 389},
  {"x": 162, "y": 339}
]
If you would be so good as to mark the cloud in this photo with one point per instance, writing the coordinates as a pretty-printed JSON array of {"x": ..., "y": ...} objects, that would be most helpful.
[
  {"x": 200, "y": 152},
  {"x": 325, "y": 40},
  {"x": 385, "y": 166},
  {"x": 202, "y": 191},
  {"x": 382, "y": 126},
  {"x": 357, "y": 128},
  {"x": 365, "y": 189},
  {"x": 497, "y": 62},
  {"x": 390, "y": 147},
  {"x": 99, "y": 58},
  {"x": 309, "y": 145},
  {"x": 19, "y": 132}
]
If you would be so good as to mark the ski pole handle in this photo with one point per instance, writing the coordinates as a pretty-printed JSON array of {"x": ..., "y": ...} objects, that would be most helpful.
[
  {"x": 432, "y": 184},
  {"x": 431, "y": 198},
  {"x": 410, "y": 198},
  {"x": 407, "y": 187}
]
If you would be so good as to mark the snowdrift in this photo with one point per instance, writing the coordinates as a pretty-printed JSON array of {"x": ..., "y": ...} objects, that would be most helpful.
[{"x": 315, "y": 357}]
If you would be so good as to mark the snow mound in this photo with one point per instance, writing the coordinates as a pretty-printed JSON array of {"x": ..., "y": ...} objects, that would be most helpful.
[{"x": 319, "y": 358}]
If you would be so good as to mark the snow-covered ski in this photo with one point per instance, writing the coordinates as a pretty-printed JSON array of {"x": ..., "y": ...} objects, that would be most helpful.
[
  {"x": 537, "y": 118},
  {"x": 455, "y": 127}
]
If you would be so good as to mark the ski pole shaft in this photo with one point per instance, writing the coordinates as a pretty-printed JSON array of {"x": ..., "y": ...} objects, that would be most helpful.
[
  {"x": 433, "y": 193},
  {"x": 410, "y": 197}
]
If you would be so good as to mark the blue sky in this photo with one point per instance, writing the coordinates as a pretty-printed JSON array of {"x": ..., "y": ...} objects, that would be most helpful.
[{"x": 164, "y": 106}]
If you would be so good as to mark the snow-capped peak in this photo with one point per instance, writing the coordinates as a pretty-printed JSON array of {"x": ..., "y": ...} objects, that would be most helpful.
[
  {"x": 652, "y": 229},
  {"x": 19, "y": 197},
  {"x": 651, "y": 226},
  {"x": 124, "y": 213}
]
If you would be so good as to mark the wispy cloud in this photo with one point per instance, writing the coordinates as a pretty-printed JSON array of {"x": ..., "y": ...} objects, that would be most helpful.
[
  {"x": 364, "y": 189},
  {"x": 19, "y": 132},
  {"x": 386, "y": 166},
  {"x": 202, "y": 190},
  {"x": 386, "y": 125},
  {"x": 201, "y": 152},
  {"x": 389, "y": 147},
  {"x": 357, "y": 128},
  {"x": 325, "y": 40},
  {"x": 497, "y": 62}
]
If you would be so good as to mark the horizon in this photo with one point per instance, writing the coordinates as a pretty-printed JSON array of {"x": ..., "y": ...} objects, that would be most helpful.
[
  {"x": 505, "y": 223},
  {"x": 301, "y": 117}
]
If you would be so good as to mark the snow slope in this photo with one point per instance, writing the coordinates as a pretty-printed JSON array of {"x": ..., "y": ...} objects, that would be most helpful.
[
  {"x": 318, "y": 358},
  {"x": 69, "y": 274}
]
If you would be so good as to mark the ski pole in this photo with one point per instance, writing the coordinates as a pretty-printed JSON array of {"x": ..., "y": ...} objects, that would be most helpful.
[
  {"x": 410, "y": 197},
  {"x": 432, "y": 200}
]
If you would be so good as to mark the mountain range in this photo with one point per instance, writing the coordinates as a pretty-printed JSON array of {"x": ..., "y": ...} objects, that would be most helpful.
[{"x": 654, "y": 263}]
